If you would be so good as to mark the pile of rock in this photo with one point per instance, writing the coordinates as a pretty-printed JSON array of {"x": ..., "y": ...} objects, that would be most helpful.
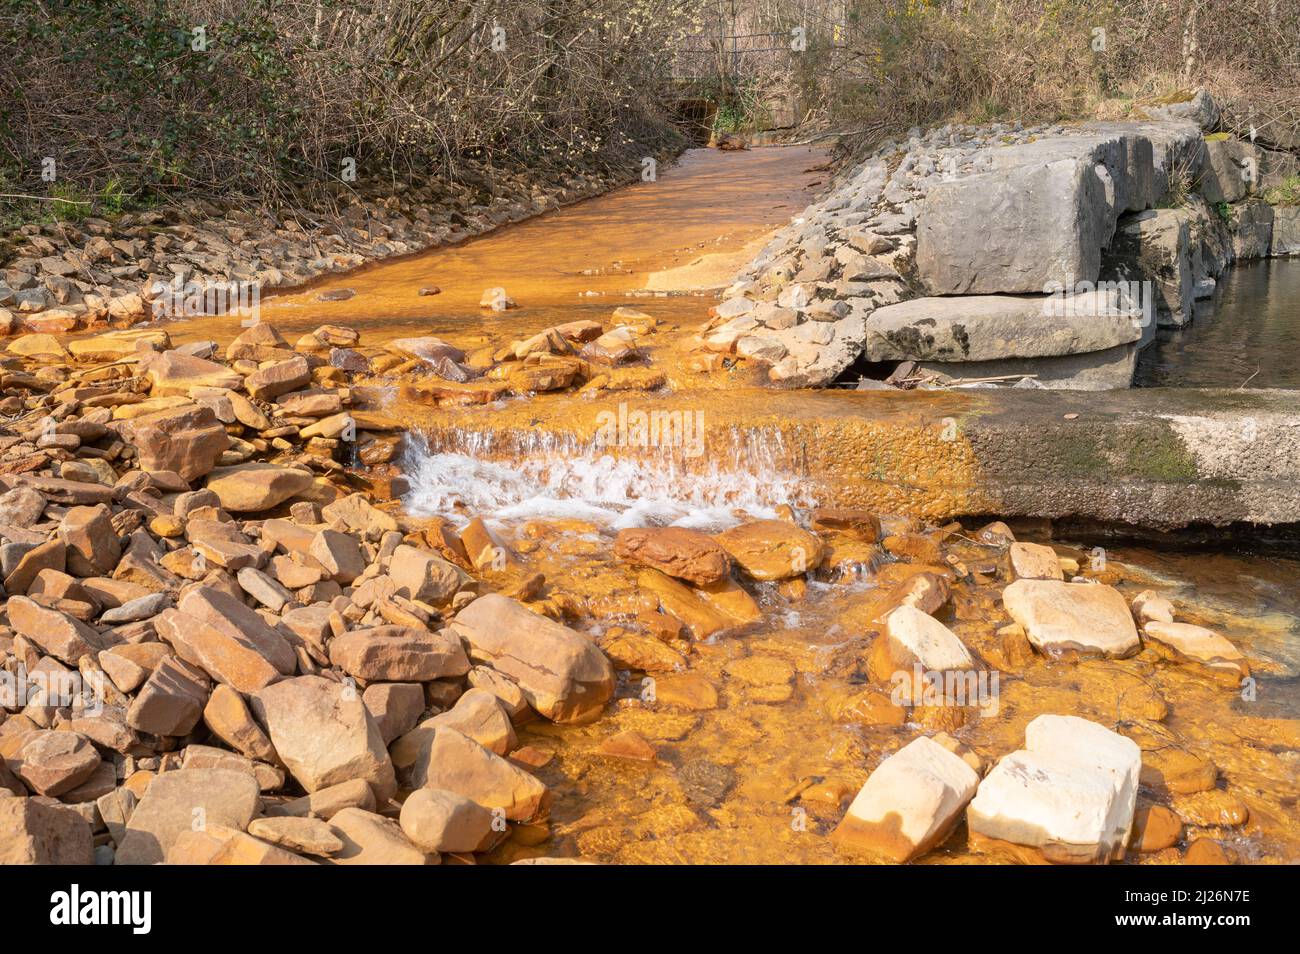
[
  {"x": 96, "y": 272},
  {"x": 580, "y": 354},
  {"x": 213, "y": 651},
  {"x": 977, "y": 252}
]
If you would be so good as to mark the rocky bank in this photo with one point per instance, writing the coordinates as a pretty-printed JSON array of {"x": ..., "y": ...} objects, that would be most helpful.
[
  {"x": 96, "y": 272},
  {"x": 1045, "y": 254}
]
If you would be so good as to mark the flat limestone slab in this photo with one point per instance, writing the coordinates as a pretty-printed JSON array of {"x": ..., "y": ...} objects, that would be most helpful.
[
  {"x": 1093, "y": 746},
  {"x": 1092, "y": 371},
  {"x": 996, "y": 327},
  {"x": 909, "y": 803},
  {"x": 1084, "y": 618}
]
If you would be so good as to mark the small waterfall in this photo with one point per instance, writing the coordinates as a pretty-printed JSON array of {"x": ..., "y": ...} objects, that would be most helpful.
[{"x": 515, "y": 475}]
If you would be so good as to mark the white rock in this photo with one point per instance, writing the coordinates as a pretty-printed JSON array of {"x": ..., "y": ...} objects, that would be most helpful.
[
  {"x": 910, "y": 802},
  {"x": 1034, "y": 561},
  {"x": 1088, "y": 618},
  {"x": 1070, "y": 792}
]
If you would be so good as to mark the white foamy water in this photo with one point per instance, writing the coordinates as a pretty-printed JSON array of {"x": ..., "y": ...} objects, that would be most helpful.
[{"x": 465, "y": 475}]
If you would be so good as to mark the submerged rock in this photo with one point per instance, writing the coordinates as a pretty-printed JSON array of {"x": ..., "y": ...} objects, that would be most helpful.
[{"x": 1084, "y": 618}]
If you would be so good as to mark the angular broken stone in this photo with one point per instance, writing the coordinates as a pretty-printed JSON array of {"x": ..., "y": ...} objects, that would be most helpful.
[
  {"x": 1199, "y": 645},
  {"x": 35, "y": 832},
  {"x": 459, "y": 764},
  {"x": 58, "y": 634},
  {"x": 912, "y": 645},
  {"x": 249, "y": 488},
  {"x": 563, "y": 675},
  {"x": 326, "y": 802},
  {"x": 910, "y": 802},
  {"x": 187, "y": 440},
  {"x": 1034, "y": 561},
  {"x": 227, "y": 717},
  {"x": 425, "y": 576},
  {"x": 279, "y": 378},
  {"x": 324, "y": 735},
  {"x": 395, "y": 707},
  {"x": 477, "y": 714},
  {"x": 440, "y": 821},
  {"x": 686, "y": 554},
  {"x": 370, "y": 839},
  {"x": 310, "y": 836},
  {"x": 772, "y": 549},
  {"x": 52, "y": 763},
  {"x": 171, "y": 701},
  {"x": 222, "y": 845},
  {"x": 183, "y": 801},
  {"x": 398, "y": 654},
  {"x": 339, "y": 554},
  {"x": 229, "y": 616},
  {"x": 1070, "y": 793}
]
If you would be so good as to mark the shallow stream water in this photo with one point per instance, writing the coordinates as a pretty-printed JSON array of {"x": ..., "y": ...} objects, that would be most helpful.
[{"x": 764, "y": 775}]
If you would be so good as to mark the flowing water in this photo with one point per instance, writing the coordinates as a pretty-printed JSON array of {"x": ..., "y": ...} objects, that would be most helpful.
[{"x": 763, "y": 775}]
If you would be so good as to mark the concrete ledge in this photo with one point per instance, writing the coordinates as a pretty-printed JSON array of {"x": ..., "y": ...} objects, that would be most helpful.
[{"x": 1151, "y": 458}]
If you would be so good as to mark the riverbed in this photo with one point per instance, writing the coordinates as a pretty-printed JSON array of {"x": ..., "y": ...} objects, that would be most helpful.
[{"x": 764, "y": 772}]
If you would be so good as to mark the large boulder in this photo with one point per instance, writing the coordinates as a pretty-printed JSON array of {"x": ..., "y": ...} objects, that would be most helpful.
[
  {"x": 1018, "y": 229},
  {"x": 562, "y": 674},
  {"x": 1156, "y": 246},
  {"x": 324, "y": 735},
  {"x": 1070, "y": 793},
  {"x": 909, "y": 803},
  {"x": 1227, "y": 169},
  {"x": 1286, "y": 230},
  {"x": 1083, "y": 618},
  {"x": 187, "y": 440}
]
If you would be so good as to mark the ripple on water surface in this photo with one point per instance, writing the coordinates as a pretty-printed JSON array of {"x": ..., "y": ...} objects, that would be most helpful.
[{"x": 1247, "y": 333}]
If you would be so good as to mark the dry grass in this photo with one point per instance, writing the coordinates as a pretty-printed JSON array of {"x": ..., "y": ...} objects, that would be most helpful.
[{"x": 287, "y": 90}]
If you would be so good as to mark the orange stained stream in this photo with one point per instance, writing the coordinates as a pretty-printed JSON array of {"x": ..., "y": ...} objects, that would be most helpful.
[
  {"x": 710, "y": 202},
  {"x": 765, "y": 775}
]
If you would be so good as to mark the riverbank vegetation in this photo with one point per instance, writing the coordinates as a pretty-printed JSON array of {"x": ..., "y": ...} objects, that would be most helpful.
[
  {"x": 884, "y": 66},
  {"x": 113, "y": 103}
]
